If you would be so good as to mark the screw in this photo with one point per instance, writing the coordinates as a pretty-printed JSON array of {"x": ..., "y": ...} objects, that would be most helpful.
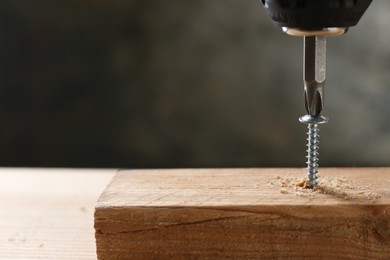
[{"x": 312, "y": 146}]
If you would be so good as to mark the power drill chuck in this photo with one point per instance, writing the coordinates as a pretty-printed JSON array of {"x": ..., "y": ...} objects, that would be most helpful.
[{"x": 315, "y": 14}]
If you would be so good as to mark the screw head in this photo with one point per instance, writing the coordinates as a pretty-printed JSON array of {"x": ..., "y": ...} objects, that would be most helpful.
[{"x": 309, "y": 119}]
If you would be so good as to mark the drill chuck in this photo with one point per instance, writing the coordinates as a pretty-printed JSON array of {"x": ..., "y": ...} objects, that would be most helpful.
[{"x": 314, "y": 15}]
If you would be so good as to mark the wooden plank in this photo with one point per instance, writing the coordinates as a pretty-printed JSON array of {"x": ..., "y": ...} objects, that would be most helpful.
[
  {"x": 48, "y": 213},
  {"x": 244, "y": 213}
]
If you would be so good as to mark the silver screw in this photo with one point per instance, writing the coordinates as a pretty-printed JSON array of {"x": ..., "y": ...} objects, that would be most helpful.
[{"x": 312, "y": 146}]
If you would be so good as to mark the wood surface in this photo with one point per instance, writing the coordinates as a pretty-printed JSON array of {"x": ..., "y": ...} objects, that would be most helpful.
[
  {"x": 243, "y": 214},
  {"x": 48, "y": 213}
]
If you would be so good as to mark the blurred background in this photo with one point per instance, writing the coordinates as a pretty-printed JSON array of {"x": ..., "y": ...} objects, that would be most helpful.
[{"x": 196, "y": 83}]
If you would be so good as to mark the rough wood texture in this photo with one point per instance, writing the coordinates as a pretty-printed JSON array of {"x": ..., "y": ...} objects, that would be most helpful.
[
  {"x": 239, "y": 214},
  {"x": 48, "y": 213}
]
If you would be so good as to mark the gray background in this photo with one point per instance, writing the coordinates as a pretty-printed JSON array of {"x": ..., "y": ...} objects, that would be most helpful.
[{"x": 172, "y": 83}]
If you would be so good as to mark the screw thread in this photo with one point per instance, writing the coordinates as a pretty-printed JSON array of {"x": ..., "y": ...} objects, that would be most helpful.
[{"x": 312, "y": 154}]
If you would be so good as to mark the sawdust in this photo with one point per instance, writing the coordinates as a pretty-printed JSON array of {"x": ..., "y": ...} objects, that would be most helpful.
[{"x": 339, "y": 187}]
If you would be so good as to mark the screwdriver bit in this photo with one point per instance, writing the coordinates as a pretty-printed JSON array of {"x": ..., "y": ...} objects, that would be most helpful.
[{"x": 314, "y": 73}]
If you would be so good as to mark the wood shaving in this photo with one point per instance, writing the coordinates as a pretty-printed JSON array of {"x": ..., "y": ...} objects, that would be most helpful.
[
  {"x": 283, "y": 191},
  {"x": 339, "y": 187}
]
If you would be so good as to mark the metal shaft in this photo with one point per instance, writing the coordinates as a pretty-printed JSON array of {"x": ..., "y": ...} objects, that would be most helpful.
[{"x": 314, "y": 73}]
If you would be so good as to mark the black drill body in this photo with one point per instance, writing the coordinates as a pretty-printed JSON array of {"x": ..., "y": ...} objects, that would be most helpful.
[{"x": 315, "y": 14}]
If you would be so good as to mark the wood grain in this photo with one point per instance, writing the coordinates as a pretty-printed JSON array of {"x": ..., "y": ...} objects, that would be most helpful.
[
  {"x": 48, "y": 213},
  {"x": 237, "y": 214}
]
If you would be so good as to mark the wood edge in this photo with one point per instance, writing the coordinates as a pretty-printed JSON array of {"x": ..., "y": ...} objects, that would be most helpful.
[
  {"x": 299, "y": 211},
  {"x": 108, "y": 186},
  {"x": 97, "y": 210}
]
